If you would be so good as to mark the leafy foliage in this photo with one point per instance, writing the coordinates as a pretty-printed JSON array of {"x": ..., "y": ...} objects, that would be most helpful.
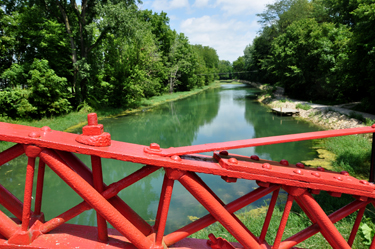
[
  {"x": 102, "y": 54},
  {"x": 48, "y": 91}
]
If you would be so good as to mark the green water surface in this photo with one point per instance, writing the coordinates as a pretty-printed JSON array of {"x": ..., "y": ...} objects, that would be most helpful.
[{"x": 216, "y": 115}]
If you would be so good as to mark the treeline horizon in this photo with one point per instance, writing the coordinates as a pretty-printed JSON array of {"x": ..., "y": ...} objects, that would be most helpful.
[
  {"x": 322, "y": 50},
  {"x": 57, "y": 56}
]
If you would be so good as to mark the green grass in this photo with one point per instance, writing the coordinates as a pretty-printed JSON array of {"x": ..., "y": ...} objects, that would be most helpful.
[
  {"x": 353, "y": 154},
  {"x": 305, "y": 107},
  {"x": 297, "y": 221}
]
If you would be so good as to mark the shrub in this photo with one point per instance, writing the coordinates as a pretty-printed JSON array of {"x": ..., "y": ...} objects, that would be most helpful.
[{"x": 303, "y": 106}]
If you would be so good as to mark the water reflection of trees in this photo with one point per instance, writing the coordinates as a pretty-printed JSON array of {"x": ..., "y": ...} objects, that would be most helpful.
[
  {"x": 268, "y": 124},
  {"x": 171, "y": 125}
]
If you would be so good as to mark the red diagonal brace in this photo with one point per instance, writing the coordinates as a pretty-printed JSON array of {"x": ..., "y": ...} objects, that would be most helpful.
[
  {"x": 218, "y": 211},
  {"x": 11, "y": 153},
  {"x": 96, "y": 200}
]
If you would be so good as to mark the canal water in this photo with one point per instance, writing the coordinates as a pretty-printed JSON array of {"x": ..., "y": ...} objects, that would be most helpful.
[{"x": 216, "y": 115}]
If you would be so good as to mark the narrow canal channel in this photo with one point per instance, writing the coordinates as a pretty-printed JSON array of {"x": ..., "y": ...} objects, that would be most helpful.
[{"x": 216, "y": 115}]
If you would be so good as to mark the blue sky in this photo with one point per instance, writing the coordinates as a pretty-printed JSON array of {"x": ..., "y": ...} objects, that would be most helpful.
[{"x": 225, "y": 25}]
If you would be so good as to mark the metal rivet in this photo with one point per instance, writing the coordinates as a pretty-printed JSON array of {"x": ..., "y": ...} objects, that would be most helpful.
[
  {"x": 284, "y": 162},
  {"x": 224, "y": 153},
  {"x": 339, "y": 178},
  {"x": 34, "y": 134},
  {"x": 300, "y": 165},
  {"x": 46, "y": 129},
  {"x": 154, "y": 146},
  {"x": 321, "y": 169},
  {"x": 345, "y": 173},
  {"x": 298, "y": 171},
  {"x": 233, "y": 160},
  {"x": 316, "y": 174},
  {"x": 255, "y": 157},
  {"x": 266, "y": 166},
  {"x": 176, "y": 158},
  {"x": 364, "y": 182}
]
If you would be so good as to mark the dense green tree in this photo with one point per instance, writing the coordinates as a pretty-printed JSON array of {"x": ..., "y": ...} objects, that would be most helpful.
[
  {"x": 310, "y": 58},
  {"x": 225, "y": 69}
]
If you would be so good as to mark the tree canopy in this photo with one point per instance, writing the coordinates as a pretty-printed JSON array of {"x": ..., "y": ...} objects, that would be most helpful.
[
  {"x": 317, "y": 50},
  {"x": 102, "y": 53}
]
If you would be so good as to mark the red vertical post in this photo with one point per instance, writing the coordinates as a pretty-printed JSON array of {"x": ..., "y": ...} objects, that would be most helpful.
[
  {"x": 39, "y": 187},
  {"x": 28, "y": 193},
  {"x": 97, "y": 175},
  {"x": 271, "y": 207},
  {"x": 356, "y": 226},
  {"x": 218, "y": 211},
  {"x": 161, "y": 219},
  {"x": 284, "y": 220}
]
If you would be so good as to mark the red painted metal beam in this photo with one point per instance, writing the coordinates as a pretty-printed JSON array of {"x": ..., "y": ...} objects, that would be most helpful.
[
  {"x": 261, "y": 141},
  {"x": 314, "y": 229},
  {"x": 7, "y": 227},
  {"x": 10, "y": 202},
  {"x": 209, "y": 219},
  {"x": 328, "y": 230},
  {"x": 11, "y": 153},
  {"x": 112, "y": 190},
  {"x": 218, "y": 211},
  {"x": 96, "y": 200}
]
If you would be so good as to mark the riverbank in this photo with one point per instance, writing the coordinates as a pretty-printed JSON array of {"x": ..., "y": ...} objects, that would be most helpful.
[
  {"x": 77, "y": 119},
  {"x": 350, "y": 153}
]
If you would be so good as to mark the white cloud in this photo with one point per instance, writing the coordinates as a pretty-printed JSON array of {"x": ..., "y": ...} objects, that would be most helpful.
[
  {"x": 244, "y": 7},
  {"x": 228, "y": 36},
  {"x": 168, "y": 5},
  {"x": 200, "y": 3}
]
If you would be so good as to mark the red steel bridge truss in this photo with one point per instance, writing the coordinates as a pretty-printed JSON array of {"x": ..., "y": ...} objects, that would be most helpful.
[{"x": 28, "y": 229}]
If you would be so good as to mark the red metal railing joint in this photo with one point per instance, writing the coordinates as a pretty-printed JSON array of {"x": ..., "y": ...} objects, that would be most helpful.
[{"x": 93, "y": 133}]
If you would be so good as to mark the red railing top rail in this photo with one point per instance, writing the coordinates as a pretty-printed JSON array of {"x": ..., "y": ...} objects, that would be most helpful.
[
  {"x": 55, "y": 139},
  {"x": 262, "y": 141}
]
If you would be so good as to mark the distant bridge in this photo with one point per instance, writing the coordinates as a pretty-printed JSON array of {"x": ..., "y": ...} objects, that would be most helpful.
[{"x": 229, "y": 72}]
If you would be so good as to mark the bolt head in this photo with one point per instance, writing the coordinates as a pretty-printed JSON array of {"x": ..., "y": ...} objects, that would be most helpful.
[
  {"x": 345, "y": 173},
  {"x": 176, "y": 158},
  {"x": 338, "y": 178},
  {"x": 34, "y": 134},
  {"x": 255, "y": 157},
  {"x": 316, "y": 174},
  {"x": 233, "y": 160},
  {"x": 300, "y": 165},
  {"x": 321, "y": 169},
  {"x": 46, "y": 129},
  {"x": 298, "y": 172},
  {"x": 266, "y": 166},
  {"x": 364, "y": 182},
  {"x": 284, "y": 162},
  {"x": 224, "y": 153},
  {"x": 154, "y": 146}
]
